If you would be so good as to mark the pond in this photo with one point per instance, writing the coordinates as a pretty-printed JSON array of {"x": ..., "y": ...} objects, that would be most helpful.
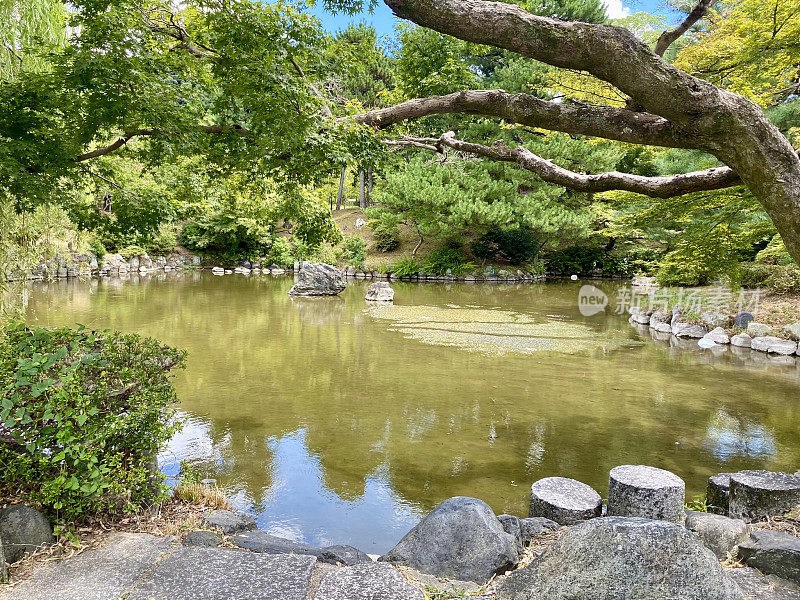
[{"x": 335, "y": 423}]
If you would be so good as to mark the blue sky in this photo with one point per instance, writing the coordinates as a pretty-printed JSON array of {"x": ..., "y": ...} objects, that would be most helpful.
[{"x": 383, "y": 20}]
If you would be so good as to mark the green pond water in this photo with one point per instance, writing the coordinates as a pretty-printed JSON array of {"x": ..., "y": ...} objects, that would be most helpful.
[{"x": 334, "y": 422}]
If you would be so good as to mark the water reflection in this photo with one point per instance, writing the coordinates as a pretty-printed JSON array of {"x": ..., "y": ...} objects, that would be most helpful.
[{"x": 332, "y": 428}]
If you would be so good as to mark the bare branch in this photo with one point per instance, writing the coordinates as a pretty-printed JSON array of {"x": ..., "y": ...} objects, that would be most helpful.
[
  {"x": 669, "y": 37},
  {"x": 656, "y": 187},
  {"x": 578, "y": 119}
]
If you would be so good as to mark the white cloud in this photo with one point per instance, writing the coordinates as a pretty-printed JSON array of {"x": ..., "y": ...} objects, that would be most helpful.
[{"x": 616, "y": 10}]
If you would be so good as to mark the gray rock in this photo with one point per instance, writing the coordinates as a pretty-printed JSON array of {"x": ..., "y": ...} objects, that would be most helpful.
[
  {"x": 318, "y": 279},
  {"x": 380, "y": 291},
  {"x": 565, "y": 501},
  {"x": 760, "y": 587},
  {"x": 774, "y": 553},
  {"x": 217, "y": 574},
  {"x": 793, "y": 331},
  {"x": 719, "y": 534},
  {"x": 376, "y": 581},
  {"x": 103, "y": 573},
  {"x": 23, "y": 530},
  {"x": 619, "y": 558},
  {"x": 757, "y": 329},
  {"x": 741, "y": 340},
  {"x": 713, "y": 320},
  {"x": 641, "y": 317},
  {"x": 229, "y": 522},
  {"x": 718, "y": 336},
  {"x": 758, "y": 494},
  {"x": 648, "y": 492},
  {"x": 662, "y": 327},
  {"x": 774, "y": 345},
  {"x": 202, "y": 539},
  {"x": 461, "y": 539},
  {"x": 535, "y": 526},
  {"x": 659, "y": 316},
  {"x": 264, "y": 543},
  {"x": 3, "y": 567},
  {"x": 742, "y": 319},
  {"x": 687, "y": 330},
  {"x": 717, "y": 492},
  {"x": 343, "y": 555},
  {"x": 513, "y": 526}
]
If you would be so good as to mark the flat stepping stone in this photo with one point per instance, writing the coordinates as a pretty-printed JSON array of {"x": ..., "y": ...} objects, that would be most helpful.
[
  {"x": 229, "y": 522},
  {"x": 647, "y": 492},
  {"x": 718, "y": 533},
  {"x": 203, "y": 539},
  {"x": 774, "y": 553},
  {"x": 755, "y": 495},
  {"x": 565, "y": 501},
  {"x": 216, "y": 574},
  {"x": 103, "y": 573},
  {"x": 375, "y": 581}
]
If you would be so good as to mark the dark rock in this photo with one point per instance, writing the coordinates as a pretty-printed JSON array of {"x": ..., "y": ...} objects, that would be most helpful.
[
  {"x": 622, "y": 558},
  {"x": 22, "y": 530},
  {"x": 757, "y": 586},
  {"x": 375, "y": 581},
  {"x": 318, "y": 279},
  {"x": 774, "y": 553},
  {"x": 565, "y": 501},
  {"x": 512, "y": 526},
  {"x": 229, "y": 522},
  {"x": 202, "y": 539},
  {"x": 719, "y": 534},
  {"x": 461, "y": 539},
  {"x": 264, "y": 543},
  {"x": 343, "y": 555},
  {"x": 717, "y": 492},
  {"x": 3, "y": 567},
  {"x": 742, "y": 319},
  {"x": 647, "y": 492},
  {"x": 758, "y": 494},
  {"x": 535, "y": 526}
]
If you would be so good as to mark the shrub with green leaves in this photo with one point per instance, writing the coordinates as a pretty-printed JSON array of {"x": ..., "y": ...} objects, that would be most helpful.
[
  {"x": 386, "y": 234},
  {"x": 405, "y": 267},
  {"x": 440, "y": 261},
  {"x": 355, "y": 251},
  {"x": 83, "y": 415}
]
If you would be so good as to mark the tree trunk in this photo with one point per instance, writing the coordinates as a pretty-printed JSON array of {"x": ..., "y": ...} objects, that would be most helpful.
[
  {"x": 339, "y": 197},
  {"x": 362, "y": 196}
]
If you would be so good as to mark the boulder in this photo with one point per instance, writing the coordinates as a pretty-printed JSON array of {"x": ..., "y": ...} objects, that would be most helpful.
[
  {"x": 661, "y": 327},
  {"x": 718, "y": 533},
  {"x": 644, "y": 491},
  {"x": 741, "y": 340},
  {"x": 757, "y": 586},
  {"x": 513, "y": 526},
  {"x": 367, "y": 582},
  {"x": 774, "y": 345},
  {"x": 565, "y": 501},
  {"x": 718, "y": 336},
  {"x": 318, "y": 279},
  {"x": 535, "y": 526},
  {"x": 719, "y": 487},
  {"x": 793, "y": 331},
  {"x": 23, "y": 530},
  {"x": 461, "y": 539},
  {"x": 622, "y": 558},
  {"x": 229, "y": 522},
  {"x": 688, "y": 330},
  {"x": 202, "y": 539},
  {"x": 757, "y": 329},
  {"x": 742, "y": 319},
  {"x": 343, "y": 555},
  {"x": 713, "y": 320},
  {"x": 264, "y": 543},
  {"x": 659, "y": 316},
  {"x": 641, "y": 317},
  {"x": 774, "y": 553},
  {"x": 3, "y": 567},
  {"x": 755, "y": 495},
  {"x": 380, "y": 291}
]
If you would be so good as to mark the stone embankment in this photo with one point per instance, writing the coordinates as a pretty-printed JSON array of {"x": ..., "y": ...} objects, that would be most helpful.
[{"x": 639, "y": 545}]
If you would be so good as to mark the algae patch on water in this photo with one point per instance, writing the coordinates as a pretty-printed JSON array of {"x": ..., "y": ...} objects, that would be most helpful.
[{"x": 493, "y": 331}]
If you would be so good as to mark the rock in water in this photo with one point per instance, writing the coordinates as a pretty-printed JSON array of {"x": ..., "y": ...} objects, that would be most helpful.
[
  {"x": 647, "y": 492},
  {"x": 622, "y": 558},
  {"x": 461, "y": 539},
  {"x": 758, "y": 494},
  {"x": 22, "y": 530},
  {"x": 565, "y": 501},
  {"x": 718, "y": 533},
  {"x": 318, "y": 279},
  {"x": 774, "y": 553},
  {"x": 380, "y": 291},
  {"x": 367, "y": 582}
]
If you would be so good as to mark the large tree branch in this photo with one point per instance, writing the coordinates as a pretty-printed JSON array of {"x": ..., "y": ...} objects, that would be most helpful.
[
  {"x": 656, "y": 187},
  {"x": 132, "y": 133},
  {"x": 578, "y": 119},
  {"x": 669, "y": 37}
]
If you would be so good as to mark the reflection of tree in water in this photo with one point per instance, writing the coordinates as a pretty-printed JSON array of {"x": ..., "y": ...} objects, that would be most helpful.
[
  {"x": 435, "y": 422},
  {"x": 729, "y": 437}
]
